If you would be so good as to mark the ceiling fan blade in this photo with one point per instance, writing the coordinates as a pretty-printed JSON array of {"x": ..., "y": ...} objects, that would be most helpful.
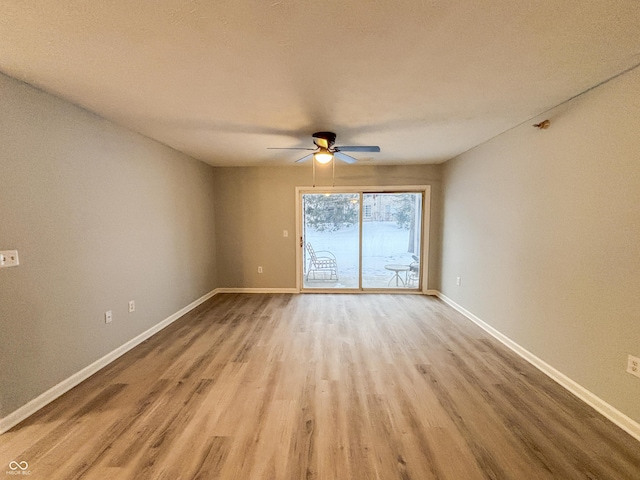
[
  {"x": 344, "y": 157},
  {"x": 358, "y": 148},
  {"x": 289, "y": 148},
  {"x": 305, "y": 158}
]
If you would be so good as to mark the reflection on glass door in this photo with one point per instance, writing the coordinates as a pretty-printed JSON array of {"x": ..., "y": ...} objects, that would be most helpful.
[
  {"x": 391, "y": 239},
  {"x": 331, "y": 240}
]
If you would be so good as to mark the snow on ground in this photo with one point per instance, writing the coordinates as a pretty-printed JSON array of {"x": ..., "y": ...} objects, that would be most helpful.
[{"x": 383, "y": 243}]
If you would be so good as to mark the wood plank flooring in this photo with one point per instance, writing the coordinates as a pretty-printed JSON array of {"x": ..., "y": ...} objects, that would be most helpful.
[{"x": 320, "y": 387}]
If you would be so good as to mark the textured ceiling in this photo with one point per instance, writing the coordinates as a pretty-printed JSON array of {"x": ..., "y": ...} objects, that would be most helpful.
[{"x": 224, "y": 80}]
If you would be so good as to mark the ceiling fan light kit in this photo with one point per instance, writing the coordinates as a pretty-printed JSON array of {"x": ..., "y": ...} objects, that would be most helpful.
[{"x": 323, "y": 156}]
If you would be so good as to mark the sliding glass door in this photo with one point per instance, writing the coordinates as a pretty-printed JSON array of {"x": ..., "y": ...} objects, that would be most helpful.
[
  {"x": 360, "y": 240},
  {"x": 331, "y": 240},
  {"x": 391, "y": 233}
]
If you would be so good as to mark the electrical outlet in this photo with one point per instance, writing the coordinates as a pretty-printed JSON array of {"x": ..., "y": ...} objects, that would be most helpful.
[
  {"x": 9, "y": 258},
  {"x": 132, "y": 306},
  {"x": 633, "y": 365},
  {"x": 458, "y": 281},
  {"x": 108, "y": 316},
  {"x": 259, "y": 269}
]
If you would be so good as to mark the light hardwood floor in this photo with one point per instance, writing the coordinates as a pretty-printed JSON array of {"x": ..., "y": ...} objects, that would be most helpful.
[{"x": 320, "y": 387}]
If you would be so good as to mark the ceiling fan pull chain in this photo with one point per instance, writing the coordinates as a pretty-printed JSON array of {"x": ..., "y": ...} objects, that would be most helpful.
[{"x": 334, "y": 173}]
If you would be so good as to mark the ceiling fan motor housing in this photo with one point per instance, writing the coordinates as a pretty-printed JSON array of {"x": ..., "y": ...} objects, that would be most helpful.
[{"x": 329, "y": 137}]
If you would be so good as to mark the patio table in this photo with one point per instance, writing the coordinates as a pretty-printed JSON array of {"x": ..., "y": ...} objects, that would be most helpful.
[{"x": 396, "y": 269}]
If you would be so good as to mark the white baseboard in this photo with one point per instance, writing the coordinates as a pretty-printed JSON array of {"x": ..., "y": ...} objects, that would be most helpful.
[
  {"x": 256, "y": 290},
  {"x": 616, "y": 416},
  {"x": 56, "y": 391}
]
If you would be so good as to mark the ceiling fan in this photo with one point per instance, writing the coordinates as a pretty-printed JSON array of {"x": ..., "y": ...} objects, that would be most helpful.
[{"x": 325, "y": 149}]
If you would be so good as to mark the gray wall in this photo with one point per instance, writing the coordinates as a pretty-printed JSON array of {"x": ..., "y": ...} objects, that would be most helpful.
[
  {"x": 543, "y": 228},
  {"x": 255, "y": 204},
  {"x": 100, "y": 216}
]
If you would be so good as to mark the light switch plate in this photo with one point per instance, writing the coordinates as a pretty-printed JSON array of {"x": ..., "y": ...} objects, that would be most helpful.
[{"x": 9, "y": 258}]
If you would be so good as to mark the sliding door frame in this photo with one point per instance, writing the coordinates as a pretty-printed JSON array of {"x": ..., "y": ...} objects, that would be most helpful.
[{"x": 361, "y": 190}]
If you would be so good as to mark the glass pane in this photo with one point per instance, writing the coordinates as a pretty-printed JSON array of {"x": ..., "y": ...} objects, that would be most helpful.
[
  {"x": 391, "y": 230},
  {"x": 331, "y": 240}
]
